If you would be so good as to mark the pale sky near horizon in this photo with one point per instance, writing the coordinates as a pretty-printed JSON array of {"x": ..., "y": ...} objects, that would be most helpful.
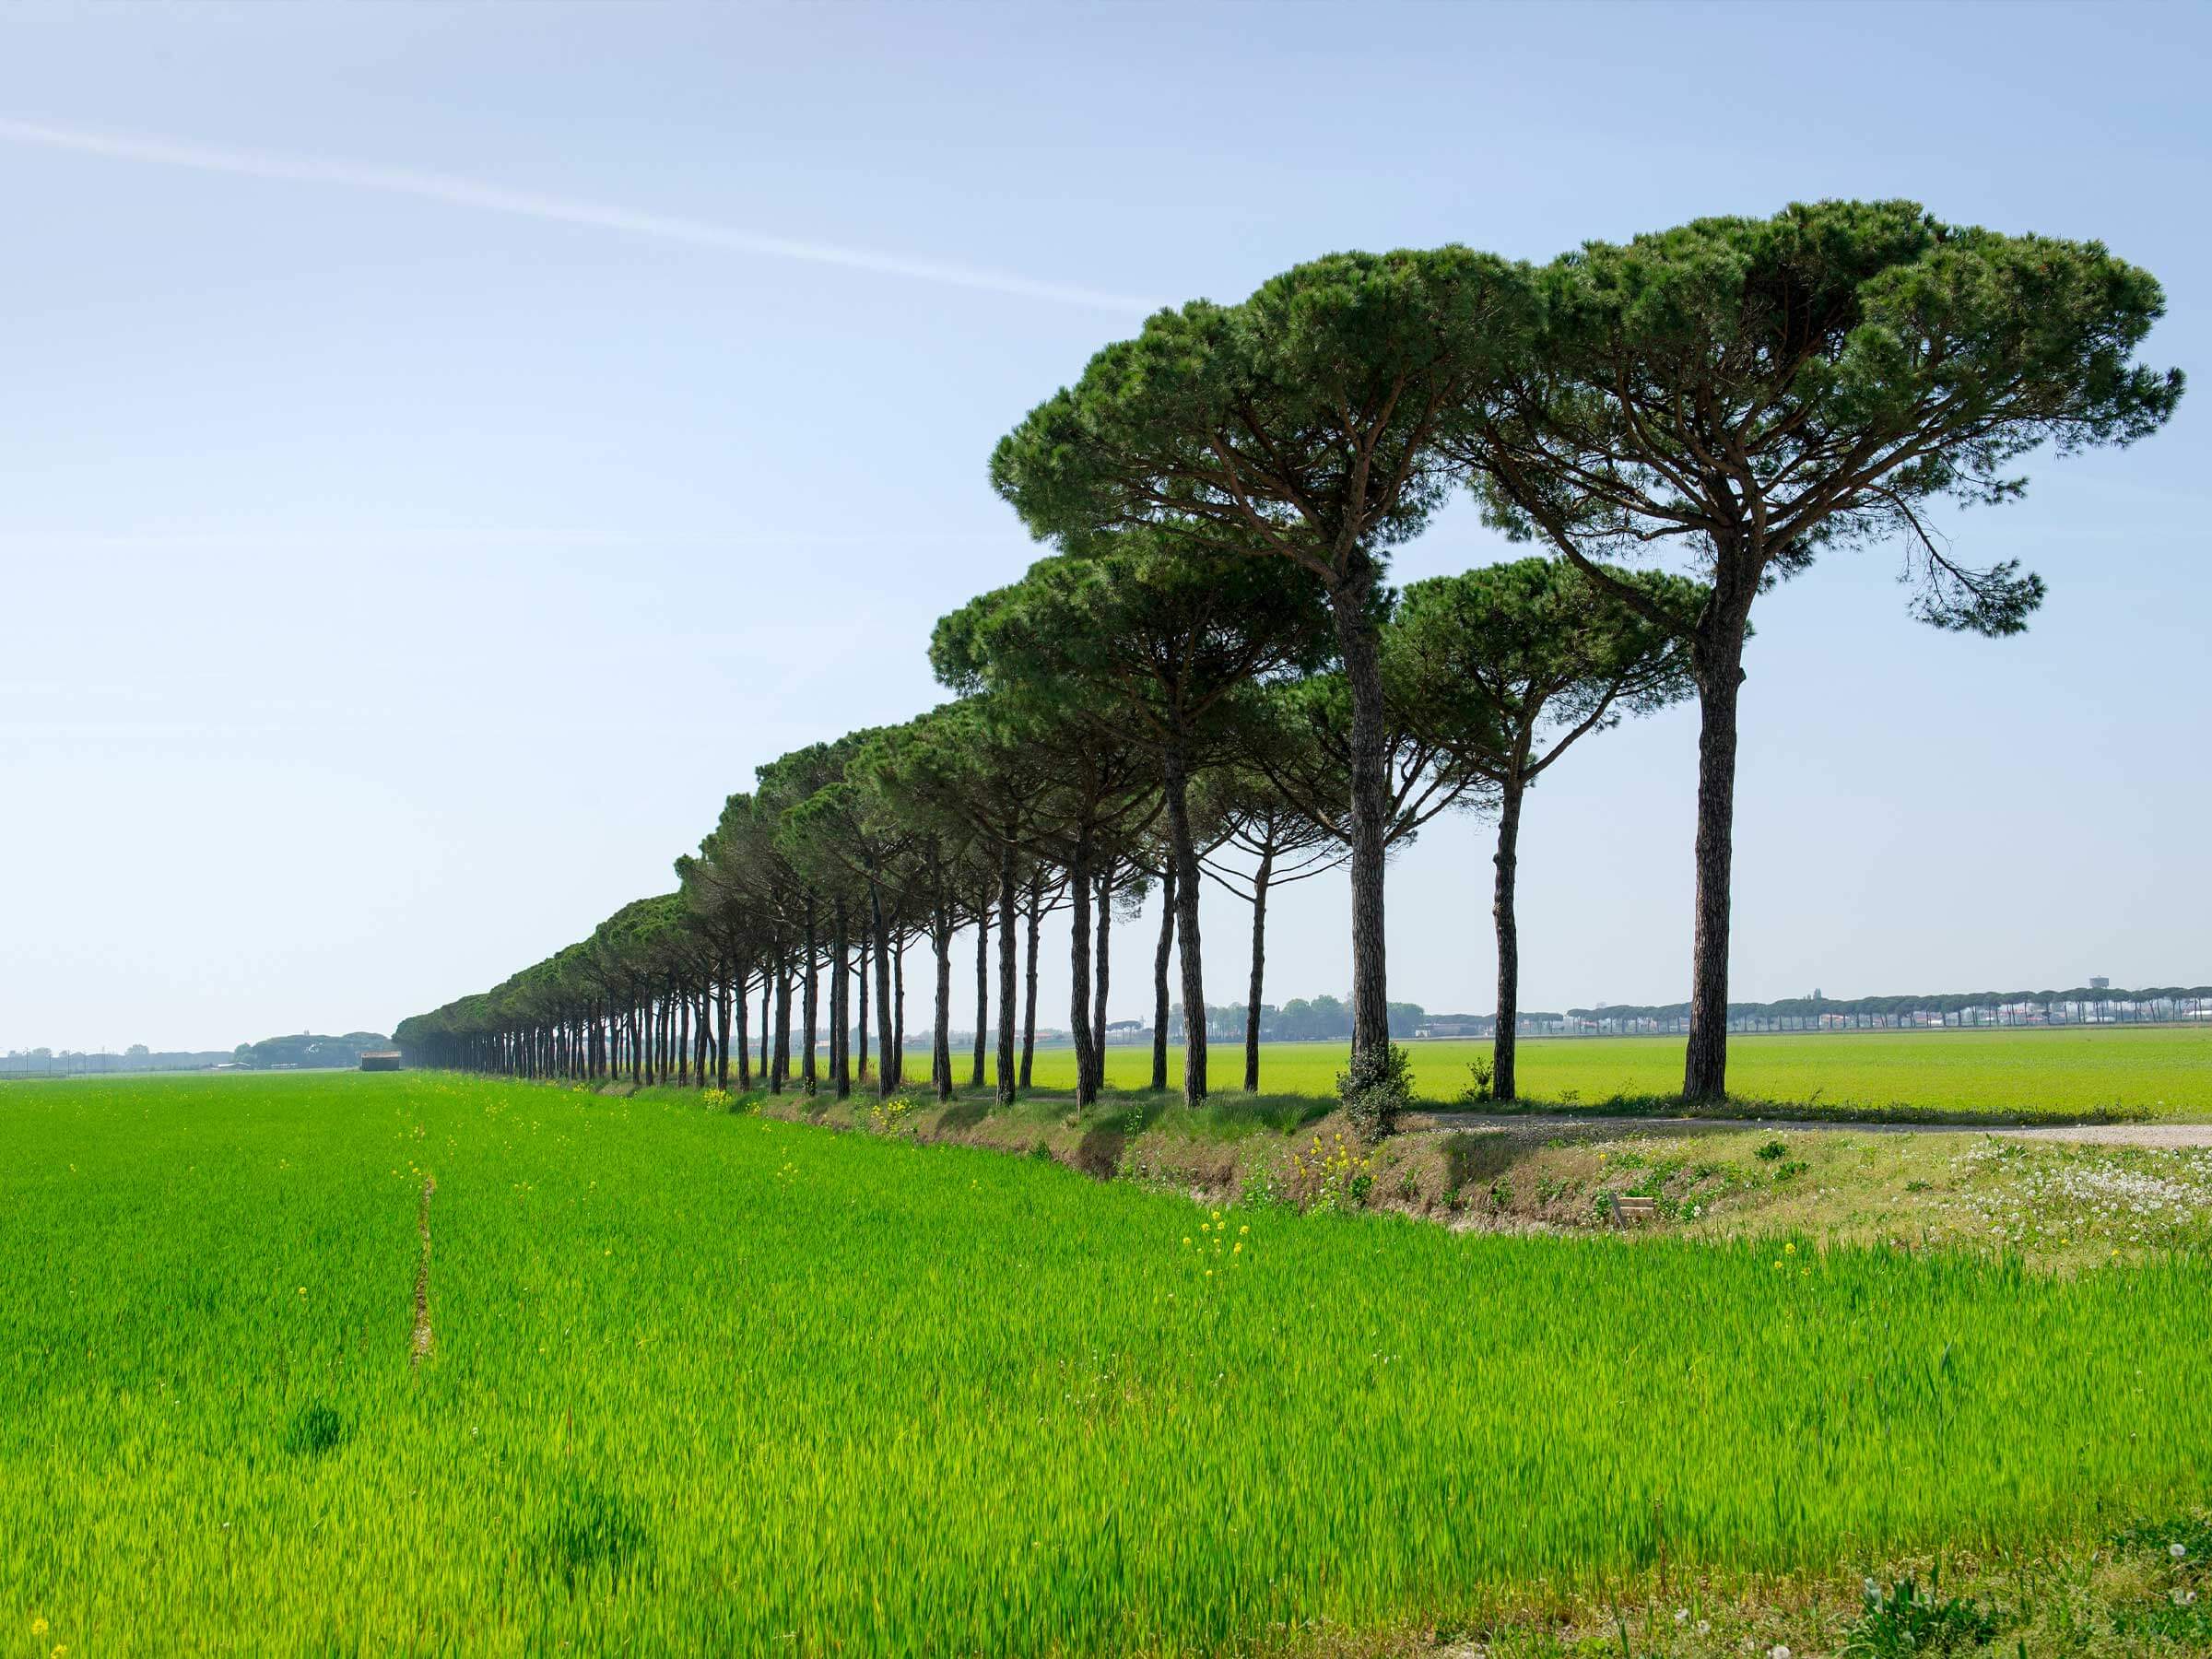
[{"x": 446, "y": 449}]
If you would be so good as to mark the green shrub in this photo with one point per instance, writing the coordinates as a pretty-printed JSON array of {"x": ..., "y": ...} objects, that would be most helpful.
[
  {"x": 1481, "y": 1081},
  {"x": 1900, "y": 1621},
  {"x": 1375, "y": 1089},
  {"x": 2191, "y": 1533}
]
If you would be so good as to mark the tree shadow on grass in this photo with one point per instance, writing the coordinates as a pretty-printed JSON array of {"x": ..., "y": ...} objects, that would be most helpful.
[
  {"x": 1231, "y": 1114},
  {"x": 963, "y": 1115},
  {"x": 595, "y": 1534}
]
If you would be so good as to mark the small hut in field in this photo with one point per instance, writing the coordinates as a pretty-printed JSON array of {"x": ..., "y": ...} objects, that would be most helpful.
[{"x": 379, "y": 1060}]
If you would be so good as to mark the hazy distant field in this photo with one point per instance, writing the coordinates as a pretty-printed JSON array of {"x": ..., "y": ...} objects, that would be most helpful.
[
  {"x": 2164, "y": 1071},
  {"x": 703, "y": 1383}
]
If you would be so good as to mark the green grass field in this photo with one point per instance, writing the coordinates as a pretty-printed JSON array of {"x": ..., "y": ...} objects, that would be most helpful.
[
  {"x": 2158, "y": 1071},
  {"x": 707, "y": 1383}
]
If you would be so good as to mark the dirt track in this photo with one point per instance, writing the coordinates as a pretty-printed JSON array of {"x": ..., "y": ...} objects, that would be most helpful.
[
  {"x": 418, "y": 1349},
  {"x": 2106, "y": 1135}
]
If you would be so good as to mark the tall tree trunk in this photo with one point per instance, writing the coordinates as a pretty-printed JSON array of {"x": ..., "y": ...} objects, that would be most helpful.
[
  {"x": 811, "y": 998},
  {"x": 982, "y": 986},
  {"x": 896, "y": 1064},
  {"x": 940, "y": 1052},
  {"x": 1176, "y": 785},
  {"x": 1005, "y": 976},
  {"x": 1503, "y": 1043},
  {"x": 781, "y": 1073},
  {"x": 1720, "y": 656},
  {"x": 766, "y": 1021},
  {"x": 1078, "y": 966},
  {"x": 1162, "y": 954},
  {"x": 1098, "y": 979},
  {"x": 887, "y": 1077},
  {"x": 840, "y": 1004},
  {"x": 1028, "y": 1001},
  {"x": 1260, "y": 878},
  {"x": 722, "y": 1021},
  {"x": 683, "y": 1042},
  {"x": 861, "y": 1024},
  {"x": 1350, "y": 604},
  {"x": 744, "y": 1036}
]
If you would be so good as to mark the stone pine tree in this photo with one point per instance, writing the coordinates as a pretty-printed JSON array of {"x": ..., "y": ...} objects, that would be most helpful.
[
  {"x": 719, "y": 910},
  {"x": 972, "y": 765},
  {"x": 935, "y": 858},
  {"x": 828, "y": 893},
  {"x": 1136, "y": 644},
  {"x": 1298, "y": 735},
  {"x": 1749, "y": 394},
  {"x": 838, "y": 839},
  {"x": 1505, "y": 669},
  {"x": 748, "y": 861},
  {"x": 1250, "y": 813},
  {"x": 1299, "y": 427},
  {"x": 1098, "y": 782}
]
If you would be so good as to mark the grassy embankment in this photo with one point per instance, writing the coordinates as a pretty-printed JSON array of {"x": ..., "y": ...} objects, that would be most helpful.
[{"x": 702, "y": 1381}]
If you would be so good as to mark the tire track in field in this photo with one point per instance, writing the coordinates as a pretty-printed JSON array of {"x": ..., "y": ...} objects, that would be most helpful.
[{"x": 420, "y": 1346}]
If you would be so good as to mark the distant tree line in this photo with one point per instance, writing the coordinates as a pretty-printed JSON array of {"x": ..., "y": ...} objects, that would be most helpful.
[
  {"x": 305, "y": 1050},
  {"x": 2084, "y": 1004},
  {"x": 310, "y": 1052},
  {"x": 1210, "y": 682},
  {"x": 1319, "y": 1019}
]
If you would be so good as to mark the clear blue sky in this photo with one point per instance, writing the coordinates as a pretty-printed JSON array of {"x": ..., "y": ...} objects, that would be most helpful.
[{"x": 443, "y": 450}]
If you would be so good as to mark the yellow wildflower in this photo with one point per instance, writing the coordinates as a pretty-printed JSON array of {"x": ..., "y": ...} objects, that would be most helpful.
[{"x": 37, "y": 1627}]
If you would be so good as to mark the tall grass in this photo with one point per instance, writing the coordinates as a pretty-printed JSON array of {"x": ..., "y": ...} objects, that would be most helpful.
[{"x": 704, "y": 1382}]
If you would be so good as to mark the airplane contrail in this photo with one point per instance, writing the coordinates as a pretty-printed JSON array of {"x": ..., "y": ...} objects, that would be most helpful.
[{"x": 491, "y": 198}]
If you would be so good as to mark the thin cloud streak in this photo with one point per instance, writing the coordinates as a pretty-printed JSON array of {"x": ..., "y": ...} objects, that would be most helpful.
[{"x": 597, "y": 216}]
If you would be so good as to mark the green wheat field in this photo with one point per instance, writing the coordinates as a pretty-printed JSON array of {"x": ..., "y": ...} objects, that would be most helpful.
[
  {"x": 2150, "y": 1071},
  {"x": 698, "y": 1381}
]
